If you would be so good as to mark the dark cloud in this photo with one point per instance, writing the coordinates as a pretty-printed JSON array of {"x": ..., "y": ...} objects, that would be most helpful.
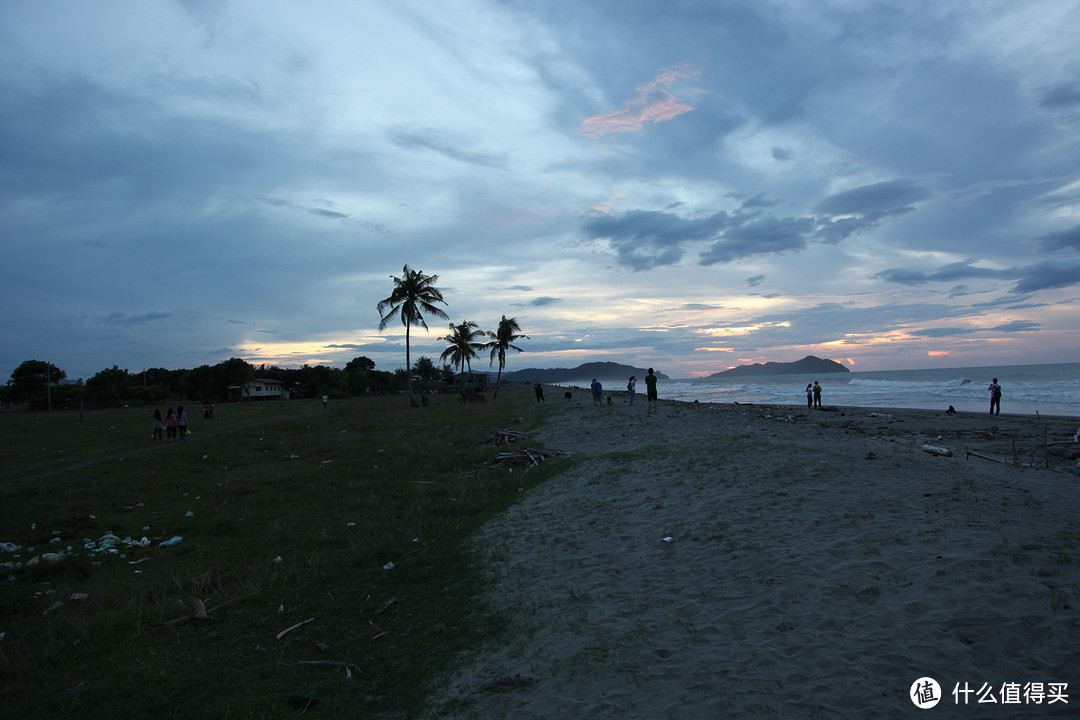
[
  {"x": 119, "y": 318},
  {"x": 946, "y": 273},
  {"x": 541, "y": 301},
  {"x": 1061, "y": 96},
  {"x": 432, "y": 140},
  {"x": 759, "y": 237},
  {"x": 1063, "y": 240},
  {"x": 901, "y": 276},
  {"x": 755, "y": 280},
  {"x": 864, "y": 208},
  {"x": 757, "y": 201},
  {"x": 1046, "y": 275},
  {"x": 1018, "y": 326},
  {"x": 877, "y": 200},
  {"x": 942, "y": 332},
  {"x": 781, "y": 154},
  {"x": 644, "y": 239}
]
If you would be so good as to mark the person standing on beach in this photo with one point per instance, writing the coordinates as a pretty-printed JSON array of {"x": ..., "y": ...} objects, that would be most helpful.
[
  {"x": 538, "y": 389},
  {"x": 632, "y": 387},
  {"x": 597, "y": 392},
  {"x": 809, "y": 395},
  {"x": 324, "y": 399},
  {"x": 650, "y": 391},
  {"x": 995, "y": 397},
  {"x": 817, "y": 395}
]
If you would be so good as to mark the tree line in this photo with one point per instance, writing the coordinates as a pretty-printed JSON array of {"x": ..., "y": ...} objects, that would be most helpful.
[{"x": 40, "y": 385}]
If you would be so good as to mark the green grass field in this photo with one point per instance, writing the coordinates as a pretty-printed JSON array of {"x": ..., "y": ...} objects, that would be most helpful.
[{"x": 287, "y": 513}]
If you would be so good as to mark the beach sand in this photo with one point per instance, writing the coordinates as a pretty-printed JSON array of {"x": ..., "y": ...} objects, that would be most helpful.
[{"x": 740, "y": 560}]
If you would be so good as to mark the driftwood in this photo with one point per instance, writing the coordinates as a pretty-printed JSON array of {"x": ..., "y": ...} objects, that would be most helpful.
[
  {"x": 530, "y": 457},
  {"x": 502, "y": 437},
  {"x": 202, "y": 615},
  {"x": 934, "y": 450},
  {"x": 290, "y": 629},
  {"x": 984, "y": 457}
]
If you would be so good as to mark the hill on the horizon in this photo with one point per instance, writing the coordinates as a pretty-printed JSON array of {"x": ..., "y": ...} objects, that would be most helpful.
[
  {"x": 809, "y": 365},
  {"x": 605, "y": 372}
]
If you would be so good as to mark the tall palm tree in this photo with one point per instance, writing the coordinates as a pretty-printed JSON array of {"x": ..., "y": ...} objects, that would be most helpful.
[
  {"x": 414, "y": 295},
  {"x": 503, "y": 339},
  {"x": 463, "y": 344}
]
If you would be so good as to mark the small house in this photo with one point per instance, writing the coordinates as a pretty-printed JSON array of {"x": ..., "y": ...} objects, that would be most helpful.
[{"x": 259, "y": 389}]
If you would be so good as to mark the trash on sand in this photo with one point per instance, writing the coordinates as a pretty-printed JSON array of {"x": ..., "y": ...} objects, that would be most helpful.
[
  {"x": 669, "y": 539},
  {"x": 174, "y": 540},
  {"x": 388, "y": 566},
  {"x": 52, "y": 607},
  {"x": 9, "y": 547},
  {"x": 189, "y": 514},
  {"x": 80, "y": 596}
]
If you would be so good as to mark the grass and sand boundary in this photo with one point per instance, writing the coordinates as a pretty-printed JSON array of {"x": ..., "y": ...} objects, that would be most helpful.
[{"x": 712, "y": 559}]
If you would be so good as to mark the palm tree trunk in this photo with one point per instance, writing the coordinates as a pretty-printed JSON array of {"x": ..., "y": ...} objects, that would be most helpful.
[{"x": 408, "y": 366}]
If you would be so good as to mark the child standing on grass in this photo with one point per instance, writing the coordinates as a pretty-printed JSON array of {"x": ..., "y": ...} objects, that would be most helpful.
[
  {"x": 181, "y": 421},
  {"x": 170, "y": 424},
  {"x": 159, "y": 425}
]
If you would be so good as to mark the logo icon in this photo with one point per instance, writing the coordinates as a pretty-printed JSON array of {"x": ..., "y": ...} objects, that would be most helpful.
[{"x": 925, "y": 693}]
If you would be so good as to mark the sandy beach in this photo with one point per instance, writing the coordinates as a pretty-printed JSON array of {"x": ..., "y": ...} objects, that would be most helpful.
[{"x": 738, "y": 561}]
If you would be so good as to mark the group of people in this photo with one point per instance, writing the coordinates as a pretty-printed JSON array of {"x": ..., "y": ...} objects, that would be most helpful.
[
  {"x": 813, "y": 397},
  {"x": 631, "y": 387},
  {"x": 174, "y": 425}
]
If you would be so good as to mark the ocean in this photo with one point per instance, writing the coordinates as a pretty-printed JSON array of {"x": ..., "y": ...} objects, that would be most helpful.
[{"x": 1026, "y": 389}]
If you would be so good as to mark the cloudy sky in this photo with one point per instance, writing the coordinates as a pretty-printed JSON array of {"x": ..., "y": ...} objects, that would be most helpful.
[{"x": 689, "y": 185}]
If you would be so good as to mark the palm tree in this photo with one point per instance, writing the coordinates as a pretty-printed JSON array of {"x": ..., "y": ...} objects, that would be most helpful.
[
  {"x": 463, "y": 344},
  {"x": 503, "y": 339},
  {"x": 424, "y": 369},
  {"x": 414, "y": 294}
]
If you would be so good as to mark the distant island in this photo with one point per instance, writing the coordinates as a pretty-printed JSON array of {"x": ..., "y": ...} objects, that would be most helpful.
[
  {"x": 605, "y": 372},
  {"x": 809, "y": 365}
]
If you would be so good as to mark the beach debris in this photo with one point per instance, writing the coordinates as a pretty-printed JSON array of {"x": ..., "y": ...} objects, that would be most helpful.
[
  {"x": 668, "y": 539},
  {"x": 202, "y": 615},
  {"x": 530, "y": 457},
  {"x": 984, "y": 457},
  {"x": 9, "y": 547},
  {"x": 502, "y": 437},
  {"x": 386, "y": 606},
  {"x": 935, "y": 450},
  {"x": 388, "y": 566},
  {"x": 289, "y": 629},
  {"x": 174, "y": 540}
]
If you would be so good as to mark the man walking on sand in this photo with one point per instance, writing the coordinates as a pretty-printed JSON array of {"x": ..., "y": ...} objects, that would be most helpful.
[
  {"x": 650, "y": 391},
  {"x": 597, "y": 392}
]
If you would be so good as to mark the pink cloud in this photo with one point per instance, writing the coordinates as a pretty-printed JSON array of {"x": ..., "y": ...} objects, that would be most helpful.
[{"x": 657, "y": 101}]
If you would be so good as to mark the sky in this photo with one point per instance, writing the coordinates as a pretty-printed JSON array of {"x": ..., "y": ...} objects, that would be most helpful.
[{"x": 685, "y": 185}]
